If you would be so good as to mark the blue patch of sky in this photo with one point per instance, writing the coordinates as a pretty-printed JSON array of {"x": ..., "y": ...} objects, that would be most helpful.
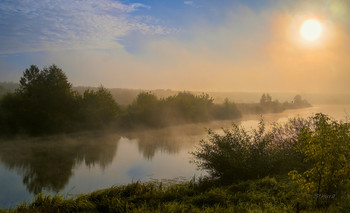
[
  {"x": 20, "y": 59},
  {"x": 178, "y": 14},
  {"x": 14, "y": 64},
  {"x": 183, "y": 17},
  {"x": 172, "y": 14}
]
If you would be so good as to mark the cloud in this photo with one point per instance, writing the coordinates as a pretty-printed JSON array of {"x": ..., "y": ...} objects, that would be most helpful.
[
  {"x": 39, "y": 25},
  {"x": 192, "y": 4},
  {"x": 189, "y": 3},
  {"x": 244, "y": 50},
  {"x": 247, "y": 51}
]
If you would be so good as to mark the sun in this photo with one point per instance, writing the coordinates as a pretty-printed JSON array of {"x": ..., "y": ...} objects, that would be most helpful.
[{"x": 311, "y": 29}]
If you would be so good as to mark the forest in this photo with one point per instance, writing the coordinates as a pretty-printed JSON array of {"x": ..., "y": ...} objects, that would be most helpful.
[{"x": 46, "y": 103}]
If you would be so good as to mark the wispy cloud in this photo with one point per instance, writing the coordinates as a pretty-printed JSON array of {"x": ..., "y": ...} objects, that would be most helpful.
[
  {"x": 192, "y": 4},
  {"x": 189, "y": 3},
  {"x": 36, "y": 25},
  {"x": 221, "y": 46}
]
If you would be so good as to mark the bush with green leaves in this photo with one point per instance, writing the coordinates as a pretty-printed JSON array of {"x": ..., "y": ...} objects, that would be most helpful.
[
  {"x": 236, "y": 154},
  {"x": 315, "y": 152},
  {"x": 326, "y": 147}
]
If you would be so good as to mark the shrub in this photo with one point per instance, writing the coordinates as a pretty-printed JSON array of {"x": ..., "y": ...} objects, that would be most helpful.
[
  {"x": 235, "y": 155},
  {"x": 240, "y": 155},
  {"x": 326, "y": 146}
]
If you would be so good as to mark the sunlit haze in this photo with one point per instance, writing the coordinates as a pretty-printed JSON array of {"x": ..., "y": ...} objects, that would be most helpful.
[
  {"x": 311, "y": 29},
  {"x": 152, "y": 106},
  {"x": 244, "y": 45}
]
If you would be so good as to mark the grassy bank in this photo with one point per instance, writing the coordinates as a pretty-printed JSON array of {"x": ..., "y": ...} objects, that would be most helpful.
[{"x": 277, "y": 194}]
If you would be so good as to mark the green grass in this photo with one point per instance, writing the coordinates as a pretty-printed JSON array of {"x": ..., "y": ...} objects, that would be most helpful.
[{"x": 262, "y": 195}]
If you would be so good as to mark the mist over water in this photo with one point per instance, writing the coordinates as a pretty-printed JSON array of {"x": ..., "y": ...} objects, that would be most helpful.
[
  {"x": 84, "y": 162},
  {"x": 101, "y": 93}
]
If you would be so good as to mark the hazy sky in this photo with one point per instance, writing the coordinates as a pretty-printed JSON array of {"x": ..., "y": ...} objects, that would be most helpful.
[{"x": 226, "y": 45}]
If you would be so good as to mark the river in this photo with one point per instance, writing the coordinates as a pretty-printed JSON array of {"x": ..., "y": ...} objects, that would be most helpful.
[{"x": 84, "y": 162}]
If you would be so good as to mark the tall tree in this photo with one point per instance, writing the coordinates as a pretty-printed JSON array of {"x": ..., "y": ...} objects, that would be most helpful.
[
  {"x": 43, "y": 103},
  {"x": 268, "y": 98},
  {"x": 263, "y": 99}
]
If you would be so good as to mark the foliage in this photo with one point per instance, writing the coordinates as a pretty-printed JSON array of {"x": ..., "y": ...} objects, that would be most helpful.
[
  {"x": 227, "y": 110},
  {"x": 285, "y": 139},
  {"x": 267, "y": 105},
  {"x": 308, "y": 145},
  {"x": 43, "y": 103},
  {"x": 326, "y": 146},
  {"x": 190, "y": 107},
  {"x": 262, "y": 195},
  {"x": 314, "y": 151},
  {"x": 144, "y": 110},
  {"x": 148, "y": 110},
  {"x": 7, "y": 87},
  {"x": 248, "y": 163},
  {"x": 265, "y": 99},
  {"x": 98, "y": 108},
  {"x": 298, "y": 102},
  {"x": 236, "y": 155}
]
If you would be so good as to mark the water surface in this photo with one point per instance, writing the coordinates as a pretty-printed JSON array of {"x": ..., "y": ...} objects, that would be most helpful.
[{"x": 84, "y": 162}]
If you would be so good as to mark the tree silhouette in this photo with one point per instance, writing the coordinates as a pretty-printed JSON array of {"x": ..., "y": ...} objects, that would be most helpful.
[
  {"x": 98, "y": 108},
  {"x": 43, "y": 103},
  {"x": 263, "y": 99}
]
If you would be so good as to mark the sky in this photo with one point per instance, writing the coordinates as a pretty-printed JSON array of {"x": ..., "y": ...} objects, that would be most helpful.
[{"x": 199, "y": 45}]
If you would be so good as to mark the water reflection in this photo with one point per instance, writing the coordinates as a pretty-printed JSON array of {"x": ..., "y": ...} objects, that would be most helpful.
[
  {"x": 168, "y": 140},
  {"x": 82, "y": 163},
  {"x": 47, "y": 164}
]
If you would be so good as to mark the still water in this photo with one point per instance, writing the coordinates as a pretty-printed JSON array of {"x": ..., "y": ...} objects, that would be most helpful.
[{"x": 81, "y": 163}]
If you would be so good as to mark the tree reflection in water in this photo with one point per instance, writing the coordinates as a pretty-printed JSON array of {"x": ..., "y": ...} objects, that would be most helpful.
[
  {"x": 47, "y": 163},
  {"x": 171, "y": 139}
]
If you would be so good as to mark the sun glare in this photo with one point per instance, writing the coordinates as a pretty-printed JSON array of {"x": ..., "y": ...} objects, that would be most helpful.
[{"x": 311, "y": 29}]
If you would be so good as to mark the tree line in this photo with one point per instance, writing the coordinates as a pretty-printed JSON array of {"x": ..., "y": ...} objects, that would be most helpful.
[
  {"x": 268, "y": 105},
  {"x": 45, "y": 103}
]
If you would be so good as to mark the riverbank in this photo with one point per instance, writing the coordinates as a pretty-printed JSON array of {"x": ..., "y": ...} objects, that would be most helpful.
[{"x": 269, "y": 194}]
